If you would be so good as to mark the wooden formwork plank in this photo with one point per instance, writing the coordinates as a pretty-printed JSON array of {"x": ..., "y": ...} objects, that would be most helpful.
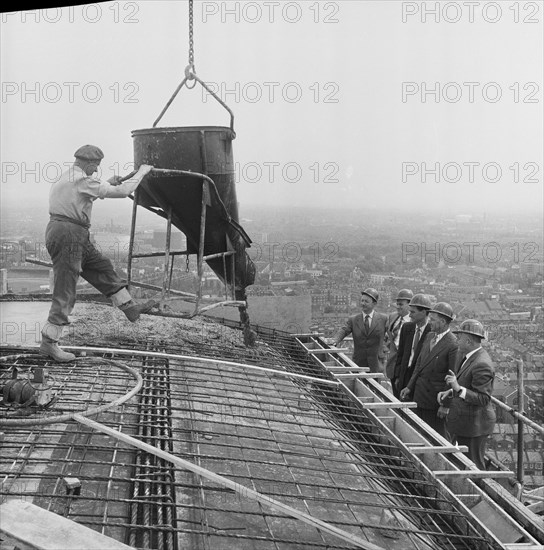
[
  {"x": 317, "y": 351},
  {"x": 473, "y": 473},
  {"x": 46, "y": 530},
  {"x": 361, "y": 374},
  {"x": 438, "y": 449},
  {"x": 390, "y": 405}
]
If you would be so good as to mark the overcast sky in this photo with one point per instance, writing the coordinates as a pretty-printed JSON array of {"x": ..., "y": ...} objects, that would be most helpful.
[{"x": 344, "y": 103}]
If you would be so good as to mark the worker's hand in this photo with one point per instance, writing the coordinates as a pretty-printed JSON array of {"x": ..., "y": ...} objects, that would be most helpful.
[
  {"x": 144, "y": 170},
  {"x": 451, "y": 379},
  {"x": 115, "y": 180},
  {"x": 331, "y": 342},
  {"x": 443, "y": 395},
  {"x": 442, "y": 412},
  {"x": 405, "y": 393}
]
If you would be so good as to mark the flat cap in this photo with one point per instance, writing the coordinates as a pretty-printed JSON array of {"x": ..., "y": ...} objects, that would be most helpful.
[{"x": 89, "y": 152}]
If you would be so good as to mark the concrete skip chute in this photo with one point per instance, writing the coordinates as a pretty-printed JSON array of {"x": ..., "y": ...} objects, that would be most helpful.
[{"x": 192, "y": 186}]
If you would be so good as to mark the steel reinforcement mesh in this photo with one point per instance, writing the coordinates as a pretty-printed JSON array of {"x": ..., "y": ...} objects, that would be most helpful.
[{"x": 300, "y": 442}]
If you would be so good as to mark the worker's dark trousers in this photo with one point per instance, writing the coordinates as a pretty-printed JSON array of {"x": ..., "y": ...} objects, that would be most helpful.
[
  {"x": 429, "y": 416},
  {"x": 73, "y": 255},
  {"x": 476, "y": 448}
]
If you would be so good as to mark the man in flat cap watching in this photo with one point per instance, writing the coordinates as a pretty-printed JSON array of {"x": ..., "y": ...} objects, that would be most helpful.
[{"x": 67, "y": 240}]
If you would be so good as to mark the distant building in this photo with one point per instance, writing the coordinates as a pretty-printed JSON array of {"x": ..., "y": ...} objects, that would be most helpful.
[
  {"x": 378, "y": 279},
  {"x": 286, "y": 313},
  {"x": 3, "y": 281},
  {"x": 177, "y": 240},
  {"x": 27, "y": 280},
  {"x": 526, "y": 315},
  {"x": 111, "y": 245},
  {"x": 532, "y": 269}
]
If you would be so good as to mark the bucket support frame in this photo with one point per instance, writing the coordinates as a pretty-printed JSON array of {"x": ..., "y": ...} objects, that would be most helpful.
[{"x": 169, "y": 255}]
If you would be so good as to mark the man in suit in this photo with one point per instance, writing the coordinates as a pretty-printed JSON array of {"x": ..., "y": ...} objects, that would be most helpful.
[
  {"x": 470, "y": 416},
  {"x": 412, "y": 336},
  {"x": 368, "y": 330},
  {"x": 394, "y": 324},
  {"x": 437, "y": 357}
]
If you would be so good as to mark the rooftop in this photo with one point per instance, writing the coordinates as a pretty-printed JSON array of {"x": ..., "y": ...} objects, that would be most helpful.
[{"x": 269, "y": 453}]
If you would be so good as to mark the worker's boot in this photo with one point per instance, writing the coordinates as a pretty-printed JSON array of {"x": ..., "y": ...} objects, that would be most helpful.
[
  {"x": 50, "y": 344},
  {"x": 132, "y": 309}
]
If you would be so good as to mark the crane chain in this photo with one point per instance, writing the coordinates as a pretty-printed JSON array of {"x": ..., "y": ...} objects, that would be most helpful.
[{"x": 190, "y": 70}]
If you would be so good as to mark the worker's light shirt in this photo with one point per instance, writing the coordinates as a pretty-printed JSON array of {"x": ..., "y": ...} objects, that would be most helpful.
[{"x": 74, "y": 193}]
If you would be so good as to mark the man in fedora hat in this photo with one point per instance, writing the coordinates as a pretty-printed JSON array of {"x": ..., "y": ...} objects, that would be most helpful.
[
  {"x": 368, "y": 329},
  {"x": 467, "y": 408},
  {"x": 72, "y": 253}
]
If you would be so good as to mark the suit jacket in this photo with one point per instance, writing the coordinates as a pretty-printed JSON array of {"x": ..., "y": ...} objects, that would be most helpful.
[
  {"x": 475, "y": 415},
  {"x": 391, "y": 348},
  {"x": 431, "y": 368},
  {"x": 403, "y": 370},
  {"x": 367, "y": 347}
]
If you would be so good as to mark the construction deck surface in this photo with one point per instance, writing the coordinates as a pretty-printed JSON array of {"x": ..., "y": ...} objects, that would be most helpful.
[{"x": 295, "y": 440}]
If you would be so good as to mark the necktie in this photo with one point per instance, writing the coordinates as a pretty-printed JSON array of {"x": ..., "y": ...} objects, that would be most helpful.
[
  {"x": 434, "y": 341},
  {"x": 367, "y": 322},
  {"x": 417, "y": 336},
  {"x": 412, "y": 358},
  {"x": 396, "y": 327}
]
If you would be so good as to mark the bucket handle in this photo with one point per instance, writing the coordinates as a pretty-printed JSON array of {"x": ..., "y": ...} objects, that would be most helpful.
[{"x": 190, "y": 75}]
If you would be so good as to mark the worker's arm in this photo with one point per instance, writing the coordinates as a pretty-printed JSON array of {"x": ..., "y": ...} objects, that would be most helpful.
[
  {"x": 122, "y": 190},
  {"x": 342, "y": 333}
]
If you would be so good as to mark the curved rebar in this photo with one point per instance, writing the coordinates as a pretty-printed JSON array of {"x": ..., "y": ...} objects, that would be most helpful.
[{"x": 89, "y": 412}]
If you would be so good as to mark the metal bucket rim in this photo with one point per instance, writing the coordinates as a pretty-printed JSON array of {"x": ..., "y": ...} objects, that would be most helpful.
[{"x": 178, "y": 129}]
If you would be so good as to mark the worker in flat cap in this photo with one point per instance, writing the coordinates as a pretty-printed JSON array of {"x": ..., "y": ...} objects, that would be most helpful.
[
  {"x": 67, "y": 240},
  {"x": 368, "y": 329}
]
